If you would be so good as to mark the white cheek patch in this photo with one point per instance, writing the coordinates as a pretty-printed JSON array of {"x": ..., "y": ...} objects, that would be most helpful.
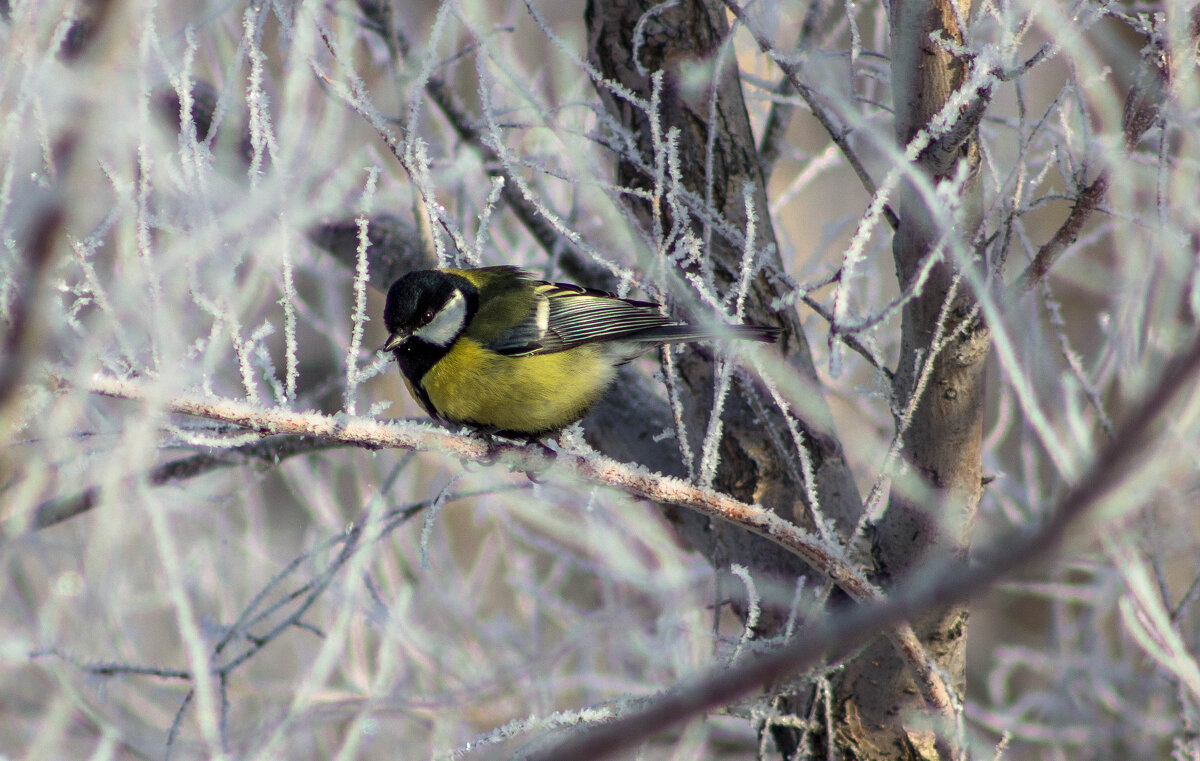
[{"x": 447, "y": 323}]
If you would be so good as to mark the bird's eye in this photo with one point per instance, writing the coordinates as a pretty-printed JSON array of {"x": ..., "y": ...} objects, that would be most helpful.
[{"x": 427, "y": 317}]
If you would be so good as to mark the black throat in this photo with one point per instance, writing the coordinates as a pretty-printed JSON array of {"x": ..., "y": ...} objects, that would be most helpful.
[{"x": 415, "y": 357}]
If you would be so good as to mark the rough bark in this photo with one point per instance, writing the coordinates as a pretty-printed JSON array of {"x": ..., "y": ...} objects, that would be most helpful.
[{"x": 876, "y": 699}]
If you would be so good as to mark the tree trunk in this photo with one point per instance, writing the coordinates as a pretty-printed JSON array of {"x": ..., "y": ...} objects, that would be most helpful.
[{"x": 875, "y": 696}]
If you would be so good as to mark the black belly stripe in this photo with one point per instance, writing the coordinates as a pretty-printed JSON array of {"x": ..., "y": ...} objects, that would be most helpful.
[{"x": 423, "y": 399}]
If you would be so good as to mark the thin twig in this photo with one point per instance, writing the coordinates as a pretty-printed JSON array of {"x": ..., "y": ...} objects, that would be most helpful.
[
  {"x": 269, "y": 451},
  {"x": 839, "y": 134},
  {"x": 775, "y": 131},
  {"x": 1085, "y": 203},
  {"x": 848, "y": 338},
  {"x": 442, "y": 95},
  {"x": 1142, "y": 111}
]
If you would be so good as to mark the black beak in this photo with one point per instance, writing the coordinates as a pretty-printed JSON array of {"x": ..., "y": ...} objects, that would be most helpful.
[{"x": 393, "y": 341}]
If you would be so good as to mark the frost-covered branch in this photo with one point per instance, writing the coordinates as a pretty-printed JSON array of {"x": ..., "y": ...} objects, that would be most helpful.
[{"x": 586, "y": 466}]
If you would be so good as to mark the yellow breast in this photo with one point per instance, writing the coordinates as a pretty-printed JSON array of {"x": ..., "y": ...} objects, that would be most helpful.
[{"x": 528, "y": 395}]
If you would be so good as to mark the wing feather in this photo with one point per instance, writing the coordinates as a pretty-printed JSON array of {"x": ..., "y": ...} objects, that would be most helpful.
[
  {"x": 561, "y": 316},
  {"x": 569, "y": 315}
]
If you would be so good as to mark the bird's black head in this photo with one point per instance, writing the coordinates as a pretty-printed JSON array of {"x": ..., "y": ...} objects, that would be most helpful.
[{"x": 426, "y": 311}]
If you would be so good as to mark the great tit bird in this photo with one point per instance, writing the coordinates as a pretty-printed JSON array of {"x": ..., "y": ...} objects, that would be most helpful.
[{"x": 498, "y": 349}]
